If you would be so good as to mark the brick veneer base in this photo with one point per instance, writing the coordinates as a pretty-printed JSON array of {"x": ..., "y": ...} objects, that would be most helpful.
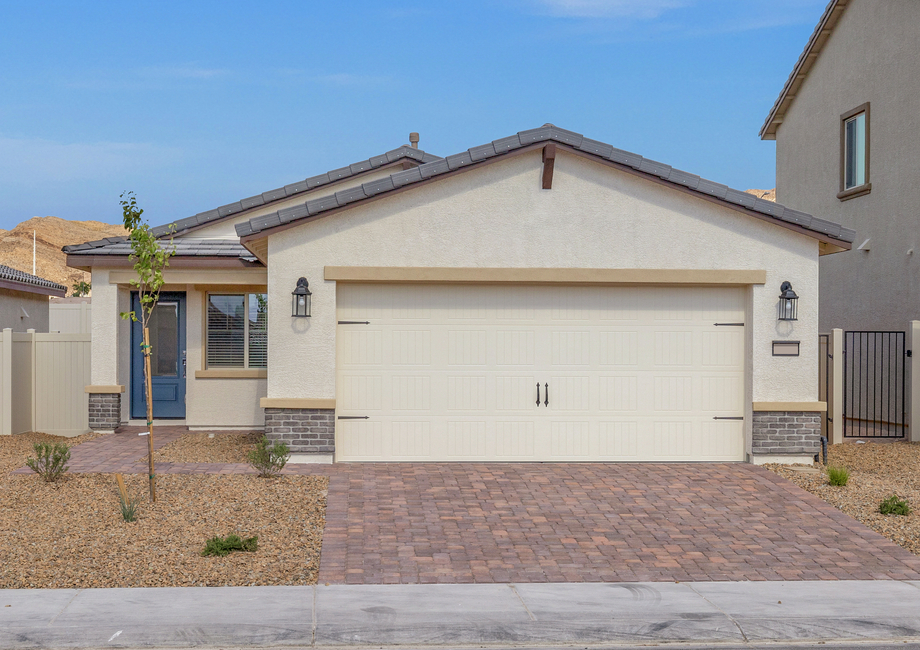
[
  {"x": 104, "y": 411},
  {"x": 303, "y": 430},
  {"x": 786, "y": 433}
]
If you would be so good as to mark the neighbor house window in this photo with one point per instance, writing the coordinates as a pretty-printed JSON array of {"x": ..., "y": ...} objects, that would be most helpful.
[
  {"x": 854, "y": 158},
  {"x": 237, "y": 330}
]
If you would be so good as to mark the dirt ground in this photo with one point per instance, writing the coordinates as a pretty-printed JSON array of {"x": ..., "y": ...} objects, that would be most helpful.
[
  {"x": 71, "y": 534},
  {"x": 877, "y": 470},
  {"x": 217, "y": 447}
]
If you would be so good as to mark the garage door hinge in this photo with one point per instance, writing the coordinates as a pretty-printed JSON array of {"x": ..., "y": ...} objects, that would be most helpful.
[
  {"x": 729, "y": 324},
  {"x": 354, "y": 417},
  {"x": 354, "y": 322},
  {"x": 728, "y": 418}
]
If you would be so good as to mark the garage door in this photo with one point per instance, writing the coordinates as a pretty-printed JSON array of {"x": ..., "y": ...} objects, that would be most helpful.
[{"x": 539, "y": 373}]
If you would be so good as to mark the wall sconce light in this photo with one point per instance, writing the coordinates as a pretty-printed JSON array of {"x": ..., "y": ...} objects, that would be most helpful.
[
  {"x": 300, "y": 303},
  {"x": 788, "y": 303}
]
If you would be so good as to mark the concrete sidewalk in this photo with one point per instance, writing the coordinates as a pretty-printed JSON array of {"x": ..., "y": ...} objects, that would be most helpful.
[{"x": 457, "y": 615}]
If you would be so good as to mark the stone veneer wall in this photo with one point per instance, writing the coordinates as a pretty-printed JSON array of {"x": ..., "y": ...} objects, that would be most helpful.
[
  {"x": 786, "y": 432},
  {"x": 104, "y": 411},
  {"x": 303, "y": 430}
]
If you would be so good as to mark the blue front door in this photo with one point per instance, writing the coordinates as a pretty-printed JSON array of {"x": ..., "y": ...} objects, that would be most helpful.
[{"x": 167, "y": 362}]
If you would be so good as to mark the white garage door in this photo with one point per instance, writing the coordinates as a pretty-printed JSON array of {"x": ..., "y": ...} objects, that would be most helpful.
[{"x": 454, "y": 372}]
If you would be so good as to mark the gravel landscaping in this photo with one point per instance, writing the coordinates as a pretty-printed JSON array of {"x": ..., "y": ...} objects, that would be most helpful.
[
  {"x": 71, "y": 534},
  {"x": 218, "y": 447},
  {"x": 877, "y": 470}
]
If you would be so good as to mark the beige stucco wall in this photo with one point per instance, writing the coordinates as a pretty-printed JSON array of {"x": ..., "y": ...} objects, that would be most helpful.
[
  {"x": 226, "y": 229},
  {"x": 872, "y": 56},
  {"x": 497, "y": 216},
  {"x": 11, "y": 316}
]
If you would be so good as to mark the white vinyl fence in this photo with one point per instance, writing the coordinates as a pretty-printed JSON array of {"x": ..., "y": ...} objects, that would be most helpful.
[
  {"x": 42, "y": 383},
  {"x": 70, "y": 317}
]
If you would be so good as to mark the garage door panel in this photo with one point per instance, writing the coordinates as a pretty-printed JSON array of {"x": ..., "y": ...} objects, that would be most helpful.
[
  {"x": 467, "y": 393},
  {"x": 360, "y": 393},
  {"x": 515, "y": 347},
  {"x": 467, "y": 439},
  {"x": 451, "y": 373},
  {"x": 514, "y": 439},
  {"x": 515, "y": 393}
]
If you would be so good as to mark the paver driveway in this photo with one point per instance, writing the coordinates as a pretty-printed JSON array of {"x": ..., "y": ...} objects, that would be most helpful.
[{"x": 411, "y": 523}]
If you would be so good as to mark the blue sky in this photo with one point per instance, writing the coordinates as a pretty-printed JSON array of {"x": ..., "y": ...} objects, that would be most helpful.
[{"x": 197, "y": 104}]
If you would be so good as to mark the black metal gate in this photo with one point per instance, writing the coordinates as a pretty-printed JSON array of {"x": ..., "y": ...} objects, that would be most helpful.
[{"x": 874, "y": 381}]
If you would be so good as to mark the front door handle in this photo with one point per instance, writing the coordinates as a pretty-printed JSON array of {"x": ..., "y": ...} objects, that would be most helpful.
[
  {"x": 538, "y": 393},
  {"x": 546, "y": 403}
]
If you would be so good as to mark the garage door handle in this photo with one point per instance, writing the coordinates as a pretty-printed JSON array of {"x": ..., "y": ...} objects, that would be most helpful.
[
  {"x": 546, "y": 403},
  {"x": 354, "y": 417},
  {"x": 538, "y": 393},
  {"x": 728, "y": 418}
]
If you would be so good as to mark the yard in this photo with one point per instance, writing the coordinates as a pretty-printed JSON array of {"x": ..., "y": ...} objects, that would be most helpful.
[
  {"x": 877, "y": 470},
  {"x": 71, "y": 534}
]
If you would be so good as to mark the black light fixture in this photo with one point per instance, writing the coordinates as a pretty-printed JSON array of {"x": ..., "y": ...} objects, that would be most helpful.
[
  {"x": 788, "y": 302},
  {"x": 300, "y": 304}
]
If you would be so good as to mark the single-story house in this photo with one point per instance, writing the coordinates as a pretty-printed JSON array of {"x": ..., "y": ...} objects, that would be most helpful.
[
  {"x": 24, "y": 300},
  {"x": 541, "y": 297}
]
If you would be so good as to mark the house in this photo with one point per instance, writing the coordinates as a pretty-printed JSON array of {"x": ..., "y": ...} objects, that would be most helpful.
[
  {"x": 846, "y": 127},
  {"x": 541, "y": 297},
  {"x": 24, "y": 300}
]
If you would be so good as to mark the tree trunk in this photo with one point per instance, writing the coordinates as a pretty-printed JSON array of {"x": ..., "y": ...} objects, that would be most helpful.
[{"x": 148, "y": 380}]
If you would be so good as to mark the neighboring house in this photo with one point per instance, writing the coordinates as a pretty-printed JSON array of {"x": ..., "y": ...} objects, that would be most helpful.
[
  {"x": 541, "y": 297},
  {"x": 847, "y": 131},
  {"x": 24, "y": 300}
]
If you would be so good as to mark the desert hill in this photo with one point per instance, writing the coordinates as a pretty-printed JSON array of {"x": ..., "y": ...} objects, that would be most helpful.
[
  {"x": 51, "y": 234},
  {"x": 768, "y": 195}
]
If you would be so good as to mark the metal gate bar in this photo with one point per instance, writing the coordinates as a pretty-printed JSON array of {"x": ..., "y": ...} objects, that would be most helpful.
[{"x": 874, "y": 379}]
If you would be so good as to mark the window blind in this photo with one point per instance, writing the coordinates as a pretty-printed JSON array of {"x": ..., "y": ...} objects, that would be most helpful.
[{"x": 226, "y": 346}]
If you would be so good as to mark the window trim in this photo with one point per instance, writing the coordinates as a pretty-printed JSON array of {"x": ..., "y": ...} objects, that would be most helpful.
[
  {"x": 225, "y": 373},
  {"x": 865, "y": 188}
]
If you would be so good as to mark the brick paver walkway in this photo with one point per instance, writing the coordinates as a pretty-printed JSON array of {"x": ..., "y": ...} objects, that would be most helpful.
[
  {"x": 422, "y": 523},
  {"x": 560, "y": 522}
]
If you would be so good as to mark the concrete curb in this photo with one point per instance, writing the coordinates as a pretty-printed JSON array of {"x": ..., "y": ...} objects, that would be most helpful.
[{"x": 462, "y": 615}]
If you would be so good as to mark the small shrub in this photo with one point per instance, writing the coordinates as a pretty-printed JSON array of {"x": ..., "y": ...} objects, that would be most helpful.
[
  {"x": 269, "y": 459},
  {"x": 223, "y": 546},
  {"x": 128, "y": 508},
  {"x": 50, "y": 461},
  {"x": 894, "y": 506},
  {"x": 838, "y": 475}
]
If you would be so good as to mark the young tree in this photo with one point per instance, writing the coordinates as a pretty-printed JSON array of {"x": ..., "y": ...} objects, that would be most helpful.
[{"x": 150, "y": 260}]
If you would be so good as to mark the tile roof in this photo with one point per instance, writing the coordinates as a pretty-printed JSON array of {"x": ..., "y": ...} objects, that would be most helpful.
[
  {"x": 13, "y": 275},
  {"x": 807, "y": 59},
  {"x": 183, "y": 247},
  {"x": 547, "y": 133},
  {"x": 400, "y": 153}
]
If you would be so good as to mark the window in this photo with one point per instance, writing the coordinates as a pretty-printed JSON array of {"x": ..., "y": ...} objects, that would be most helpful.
[
  {"x": 854, "y": 153},
  {"x": 237, "y": 330}
]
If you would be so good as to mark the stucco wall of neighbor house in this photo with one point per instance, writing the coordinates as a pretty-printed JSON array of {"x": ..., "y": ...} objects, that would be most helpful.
[
  {"x": 873, "y": 55},
  {"x": 11, "y": 315},
  {"x": 225, "y": 229},
  {"x": 498, "y": 216}
]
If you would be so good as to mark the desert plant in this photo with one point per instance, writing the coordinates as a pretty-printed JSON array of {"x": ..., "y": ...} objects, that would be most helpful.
[
  {"x": 81, "y": 288},
  {"x": 128, "y": 508},
  {"x": 838, "y": 475},
  {"x": 50, "y": 461},
  {"x": 894, "y": 506},
  {"x": 269, "y": 459},
  {"x": 223, "y": 546}
]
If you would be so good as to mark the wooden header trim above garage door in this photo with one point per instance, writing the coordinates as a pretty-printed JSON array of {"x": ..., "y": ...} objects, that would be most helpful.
[{"x": 433, "y": 275}]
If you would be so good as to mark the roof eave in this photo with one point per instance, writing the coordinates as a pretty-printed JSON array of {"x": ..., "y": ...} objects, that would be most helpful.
[
  {"x": 25, "y": 287},
  {"x": 803, "y": 65},
  {"x": 248, "y": 239}
]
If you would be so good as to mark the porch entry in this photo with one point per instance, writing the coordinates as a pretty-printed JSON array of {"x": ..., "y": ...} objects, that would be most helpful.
[{"x": 168, "y": 362}]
